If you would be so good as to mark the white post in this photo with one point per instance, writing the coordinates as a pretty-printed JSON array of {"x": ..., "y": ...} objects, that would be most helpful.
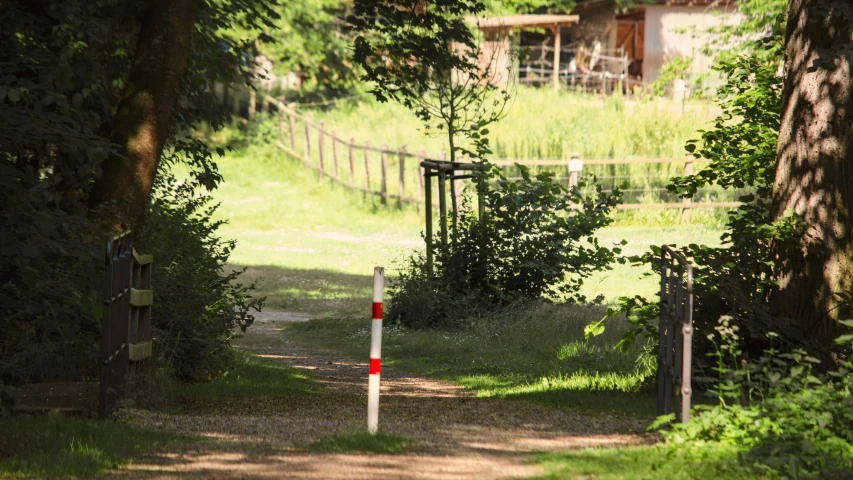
[{"x": 375, "y": 351}]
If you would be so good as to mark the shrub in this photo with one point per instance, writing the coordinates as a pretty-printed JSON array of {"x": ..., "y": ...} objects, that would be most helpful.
[
  {"x": 198, "y": 305},
  {"x": 784, "y": 417},
  {"x": 537, "y": 241}
]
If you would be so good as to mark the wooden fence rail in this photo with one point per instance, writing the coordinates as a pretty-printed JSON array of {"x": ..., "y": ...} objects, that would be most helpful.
[
  {"x": 317, "y": 144},
  {"x": 126, "y": 321}
]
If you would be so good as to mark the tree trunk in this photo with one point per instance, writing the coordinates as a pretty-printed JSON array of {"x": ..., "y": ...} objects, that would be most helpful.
[
  {"x": 814, "y": 171},
  {"x": 145, "y": 112}
]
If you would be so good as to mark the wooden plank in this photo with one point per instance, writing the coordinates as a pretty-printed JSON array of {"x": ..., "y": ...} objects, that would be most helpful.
[
  {"x": 142, "y": 259},
  {"x": 551, "y": 162},
  {"x": 141, "y": 298},
  {"x": 643, "y": 206},
  {"x": 140, "y": 351}
]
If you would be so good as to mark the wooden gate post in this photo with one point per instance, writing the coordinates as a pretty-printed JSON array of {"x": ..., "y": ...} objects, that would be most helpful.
[
  {"x": 685, "y": 210},
  {"x": 401, "y": 186},
  {"x": 442, "y": 207},
  {"x": 351, "y": 161},
  {"x": 320, "y": 141},
  {"x": 383, "y": 186},
  {"x": 427, "y": 179},
  {"x": 367, "y": 190},
  {"x": 335, "y": 154},
  {"x": 306, "y": 151}
]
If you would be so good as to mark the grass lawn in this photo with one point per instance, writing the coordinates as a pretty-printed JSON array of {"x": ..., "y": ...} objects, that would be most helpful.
[
  {"x": 55, "y": 446},
  {"x": 713, "y": 462},
  {"x": 313, "y": 247}
]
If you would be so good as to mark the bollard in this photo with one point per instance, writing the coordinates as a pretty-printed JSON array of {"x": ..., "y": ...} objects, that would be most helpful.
[{"x": 375, "y": 351}]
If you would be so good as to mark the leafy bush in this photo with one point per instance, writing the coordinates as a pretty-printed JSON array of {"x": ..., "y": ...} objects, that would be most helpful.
[
  {"x": 736, "y": 279},
  {"x": 537, "y": 241},
  {"x": 787, "y": 419},
  {"x": 198, "y": 306}
]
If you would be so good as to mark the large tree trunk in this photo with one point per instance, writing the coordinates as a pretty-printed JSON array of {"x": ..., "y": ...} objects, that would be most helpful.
[
  {"x": 814, "y": 172},
  {"x": 145, "y": 112}
]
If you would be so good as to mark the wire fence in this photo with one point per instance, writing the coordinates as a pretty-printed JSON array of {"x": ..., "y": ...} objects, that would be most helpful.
[{"x": 395, "y": 173}]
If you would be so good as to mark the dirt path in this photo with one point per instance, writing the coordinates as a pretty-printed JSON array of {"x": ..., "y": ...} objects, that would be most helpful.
[{"x": 456, "y": 435}]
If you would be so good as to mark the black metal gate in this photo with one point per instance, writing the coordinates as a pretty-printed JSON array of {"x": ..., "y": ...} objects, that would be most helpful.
[{"x": 675, "y": 335}]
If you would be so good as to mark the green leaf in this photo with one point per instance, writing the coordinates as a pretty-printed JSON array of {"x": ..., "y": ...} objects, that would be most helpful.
[{"x": 594, "y": 329}]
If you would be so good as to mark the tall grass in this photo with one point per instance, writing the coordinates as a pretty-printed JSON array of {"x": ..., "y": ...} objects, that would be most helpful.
[{"x": 541, "y": 124}]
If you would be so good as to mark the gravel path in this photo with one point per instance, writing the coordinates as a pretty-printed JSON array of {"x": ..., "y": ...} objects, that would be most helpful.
[{"x": 456, "y": 435}]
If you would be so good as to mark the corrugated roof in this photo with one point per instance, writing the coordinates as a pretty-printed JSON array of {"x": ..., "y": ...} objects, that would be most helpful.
[{"x": 525, "y": 21}]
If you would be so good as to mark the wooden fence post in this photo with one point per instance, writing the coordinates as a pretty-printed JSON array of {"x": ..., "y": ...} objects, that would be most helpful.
[
  {"x": 253, "y": 99},
  {"x": 307, "y": 147},
  {"x": 420, "y": 183},
  {"x": 401, "y": 186},
  {"x": 351, "y": 161},
  {"x": 367, "y": 190},
  {"x": 320, "y": 141},
  {"x": 265, "y": 104},
  {"x": 455, "y": 196},
  {"x": 236, "y": 104},
  {"x": 427, "y": 179},
  {"x": 383, "y": 186},
  {"x": 335, "y": 154},
  {"x": 292, "y": 121},
  {"x": 685, "y": 211},
  {"x": 442, "y": 207},
  {"x": 575, "y": 167}
]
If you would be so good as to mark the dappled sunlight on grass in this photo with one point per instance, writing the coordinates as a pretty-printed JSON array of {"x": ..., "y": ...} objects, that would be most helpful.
[
  {"x": 56, "y": 446},
  {"x": 251, "y": 377},
  {"x": 310, "y": 290},
  {"x": 535, "y": 352},
  {"x": 715, "y": 462}
]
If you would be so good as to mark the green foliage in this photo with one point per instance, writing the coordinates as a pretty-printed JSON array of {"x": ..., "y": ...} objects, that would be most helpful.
[
  {"x": 785, "y": 418},
  {"x": 536, "y": 241},
  {"x": 672, "y": 70},
  {"x": 737, "y": 278},
  {"x": 65, "y": 66},
  {"x": 378, "y": 442},
  {"x": 199, "y": 305},
  {"x": 307, "y": 39},
  {"x": 447, "y": 87}
]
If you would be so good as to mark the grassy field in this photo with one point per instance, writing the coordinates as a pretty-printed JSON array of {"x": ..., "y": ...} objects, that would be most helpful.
[
  {"x": 313, "y": 247},
  {"x": 540, "y": 124}
]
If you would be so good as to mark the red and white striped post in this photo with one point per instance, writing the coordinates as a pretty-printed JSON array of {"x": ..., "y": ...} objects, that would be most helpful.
[{"x": 375, "y": 351}]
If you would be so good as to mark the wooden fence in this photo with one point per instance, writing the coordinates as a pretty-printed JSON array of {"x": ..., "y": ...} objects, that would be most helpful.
[
  {"x": 396, "y": 174},
  {"x": 126, "y": 321}
]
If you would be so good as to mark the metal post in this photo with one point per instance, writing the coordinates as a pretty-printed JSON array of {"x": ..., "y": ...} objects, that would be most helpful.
[{"x": 375, "y": 351}]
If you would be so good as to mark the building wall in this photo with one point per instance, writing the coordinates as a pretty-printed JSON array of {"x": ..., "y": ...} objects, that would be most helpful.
[{"x": 663, "y": 39}]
